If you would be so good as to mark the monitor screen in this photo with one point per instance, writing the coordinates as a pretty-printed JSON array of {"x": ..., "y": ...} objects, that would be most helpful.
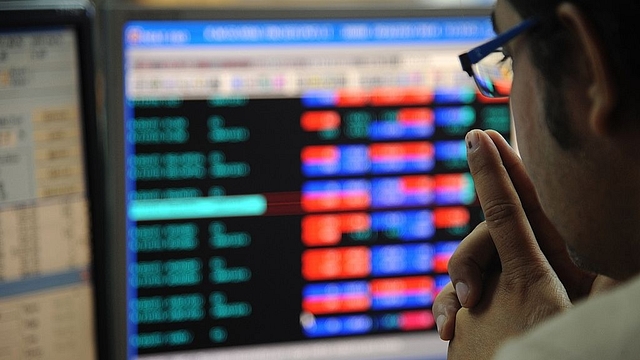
[
  {"x": 291, "y": 186},
  {"x": 47, "y": 294}
]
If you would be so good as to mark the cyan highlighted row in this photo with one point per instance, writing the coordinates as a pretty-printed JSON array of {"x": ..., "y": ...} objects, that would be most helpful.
[{"x": 194, "y": 208}]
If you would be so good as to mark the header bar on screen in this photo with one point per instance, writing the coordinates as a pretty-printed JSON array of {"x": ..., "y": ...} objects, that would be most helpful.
[{"x": 289, "y": 32}]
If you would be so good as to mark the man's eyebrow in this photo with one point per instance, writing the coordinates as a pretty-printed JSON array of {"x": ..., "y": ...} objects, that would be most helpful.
[{"x": 493, "y": 22}]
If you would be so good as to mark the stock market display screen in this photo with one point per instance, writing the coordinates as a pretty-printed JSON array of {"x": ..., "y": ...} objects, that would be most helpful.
[{"x": 295, "y": 188}]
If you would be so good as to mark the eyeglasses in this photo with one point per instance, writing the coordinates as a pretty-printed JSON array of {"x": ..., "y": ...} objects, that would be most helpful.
[{"x": 490, "y": 68}]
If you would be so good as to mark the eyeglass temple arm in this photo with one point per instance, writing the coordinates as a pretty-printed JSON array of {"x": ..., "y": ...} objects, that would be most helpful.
[{"x": 478, "y": 53}]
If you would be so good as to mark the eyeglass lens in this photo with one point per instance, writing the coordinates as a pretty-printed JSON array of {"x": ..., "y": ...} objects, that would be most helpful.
[{"x": 494, "y": 75}]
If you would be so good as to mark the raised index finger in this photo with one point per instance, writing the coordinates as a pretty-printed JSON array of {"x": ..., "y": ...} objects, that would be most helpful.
[{"x": 505, "y": 217}]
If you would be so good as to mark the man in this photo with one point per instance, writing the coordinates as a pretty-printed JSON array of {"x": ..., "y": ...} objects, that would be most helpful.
[{"x": 534, "y": 281}]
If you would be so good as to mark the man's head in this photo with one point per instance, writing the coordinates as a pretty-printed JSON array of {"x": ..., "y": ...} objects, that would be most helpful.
[
  {"x": 614, "y": 22},
  {"x": 576, "y": 107}
]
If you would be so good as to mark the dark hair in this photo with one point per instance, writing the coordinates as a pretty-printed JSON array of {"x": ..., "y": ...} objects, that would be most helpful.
[{"x": 615, "y": 22}]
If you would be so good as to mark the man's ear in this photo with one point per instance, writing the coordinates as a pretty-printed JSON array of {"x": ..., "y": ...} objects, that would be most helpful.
[{"x": 602, "y": 93}]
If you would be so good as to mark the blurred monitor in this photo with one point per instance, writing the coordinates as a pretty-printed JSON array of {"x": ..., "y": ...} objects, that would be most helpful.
[
  {"x": 49, "y": 185},
  {"x": 287, "y": 182}
]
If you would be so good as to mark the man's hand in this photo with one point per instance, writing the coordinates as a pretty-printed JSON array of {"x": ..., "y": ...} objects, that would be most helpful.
[
  {"x": 477, "y": 254},
  {"x": 509, "y": 272}
]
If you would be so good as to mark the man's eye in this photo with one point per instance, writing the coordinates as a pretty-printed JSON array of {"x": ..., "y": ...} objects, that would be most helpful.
[
  {"x": 504, "y": 59},
  {"x": 504, "y": 52}
]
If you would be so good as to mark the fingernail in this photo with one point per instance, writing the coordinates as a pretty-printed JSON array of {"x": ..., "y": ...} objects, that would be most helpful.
[
  {"x": 439, "y": 322},
  {"x": 462, "y": 290},
  {"x": 472, "y": 140}
]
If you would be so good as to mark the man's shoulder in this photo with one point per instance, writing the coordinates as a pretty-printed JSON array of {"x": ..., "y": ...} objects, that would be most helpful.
[{"x": 603, "y": 327}]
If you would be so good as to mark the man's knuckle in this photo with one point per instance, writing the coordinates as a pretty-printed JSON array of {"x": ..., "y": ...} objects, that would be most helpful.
[
  {"x": 525, "y": 278},
  {"x": 461, "y": 261},
  {"x": 498, "y": 212}
]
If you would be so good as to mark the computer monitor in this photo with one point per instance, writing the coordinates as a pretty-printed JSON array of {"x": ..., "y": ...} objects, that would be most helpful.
[
  {"x": 50, "y": 217},
  {"x": 288, "y": 182}
]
